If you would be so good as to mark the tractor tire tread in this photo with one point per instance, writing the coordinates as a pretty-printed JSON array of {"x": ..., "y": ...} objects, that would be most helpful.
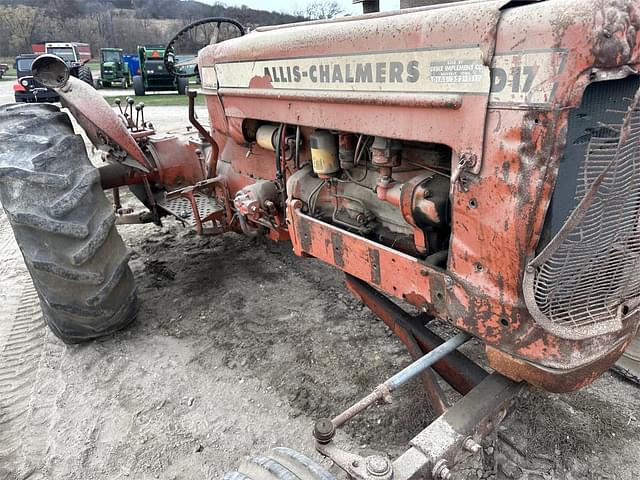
[
  {"x": 64, "y": 226},
  {"x": 89, "y": 248},
  {"x": 84, "y": 74},
  {"x": 138, "y": 86},
  {"x": 281, "y": 464},
  {"x": 81, "y": 189}
]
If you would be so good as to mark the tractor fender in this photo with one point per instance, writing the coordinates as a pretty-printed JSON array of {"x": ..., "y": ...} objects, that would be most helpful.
[{"x": 98, "y": 119}]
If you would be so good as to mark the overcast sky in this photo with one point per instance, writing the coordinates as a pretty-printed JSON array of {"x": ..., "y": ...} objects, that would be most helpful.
[{"x": 291, "y": 5}]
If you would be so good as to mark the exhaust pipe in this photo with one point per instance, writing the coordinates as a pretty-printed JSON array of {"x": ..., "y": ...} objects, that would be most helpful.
[
  {"x": 101, "y": 124},
  {"x": 50, "y": 71}
]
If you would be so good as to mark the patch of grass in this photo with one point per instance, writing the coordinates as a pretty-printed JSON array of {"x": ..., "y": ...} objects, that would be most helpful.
[
  {"x": 9, "y": 75},
  {"x": 161, "y": 100}
]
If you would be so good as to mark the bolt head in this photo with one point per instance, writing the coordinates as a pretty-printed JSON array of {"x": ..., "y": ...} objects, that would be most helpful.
[
  {"x": 378, "y": 465},
  {"x": 441, "y": 470}
]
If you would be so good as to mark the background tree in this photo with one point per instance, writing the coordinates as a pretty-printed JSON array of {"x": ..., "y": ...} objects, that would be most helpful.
[
  {"x": 112, "y": 23},
  {"x": 320, "y": 9}
]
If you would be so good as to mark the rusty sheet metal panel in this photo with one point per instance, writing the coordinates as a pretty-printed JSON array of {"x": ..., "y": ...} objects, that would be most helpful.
[
  {"x": 401, "y": 75},
  {"x": 178, "y": 160},
  {"x": 384, "y": 267},
  {"x": 499, "y": 216}
]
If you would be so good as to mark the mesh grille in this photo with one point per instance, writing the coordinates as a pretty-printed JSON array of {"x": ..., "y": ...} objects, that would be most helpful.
[{"x": 586, "y": 280}]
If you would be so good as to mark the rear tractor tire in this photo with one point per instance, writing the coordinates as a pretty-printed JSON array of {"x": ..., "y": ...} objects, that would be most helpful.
[
  {"x": 63, "y": 224},
  {"x": 138, "y": 86},
  {"x": 281, "y": 464},
  {"x": 84, "y": 74}
]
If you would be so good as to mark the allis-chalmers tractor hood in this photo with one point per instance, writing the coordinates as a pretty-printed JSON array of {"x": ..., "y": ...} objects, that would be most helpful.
[
  {"x": 453, "y": 60},
  {"x": 388, "y": 59},
  {"x": 442, "y": 49}
]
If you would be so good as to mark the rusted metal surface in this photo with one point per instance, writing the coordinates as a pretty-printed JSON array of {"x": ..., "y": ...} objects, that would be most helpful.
[
  {"x": 445, "y": 441},
  {"x": 574, "y": 287},
  {"x": 374, "y": 467},
  {"x": 521, "y": 160},
  {"x": 115, "y": 175},
  {"x": 436, "y": 122},
  {"x": 457, "y": 370},
  {"x": 220, "y": 218},
  {"x": 558, "y": 381},
  {"x": 493, "y": 232},
  {"x": 394, "y": 272},
  {"x": 179, "y": 160},
  {"x": 456, "y": 434},
  {"x": 215, "y": 151}
]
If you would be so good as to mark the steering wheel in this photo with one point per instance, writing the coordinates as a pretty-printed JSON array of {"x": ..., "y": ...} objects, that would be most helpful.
[{"x": 169, "y": 58}]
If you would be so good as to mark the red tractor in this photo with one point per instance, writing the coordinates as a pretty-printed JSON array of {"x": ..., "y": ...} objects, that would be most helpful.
[{"x": 463, "y": 158}]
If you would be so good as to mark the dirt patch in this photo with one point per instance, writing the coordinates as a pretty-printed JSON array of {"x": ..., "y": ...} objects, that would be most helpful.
[{"x": 238, "y": 347}]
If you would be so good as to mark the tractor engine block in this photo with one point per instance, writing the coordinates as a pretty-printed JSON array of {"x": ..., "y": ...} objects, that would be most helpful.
[{"x": 399, "y": 198}]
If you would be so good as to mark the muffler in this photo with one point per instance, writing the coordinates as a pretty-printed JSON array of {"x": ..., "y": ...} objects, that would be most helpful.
[
  {"x": 50, "y": 71},
  {"x": 101, "y": 123}
]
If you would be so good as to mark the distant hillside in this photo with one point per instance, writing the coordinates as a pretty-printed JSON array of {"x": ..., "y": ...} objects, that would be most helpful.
[{"x": 112, "y": 23}]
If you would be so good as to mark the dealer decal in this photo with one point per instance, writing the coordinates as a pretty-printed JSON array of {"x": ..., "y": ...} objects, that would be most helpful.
[{"x": 514, "y": 78}]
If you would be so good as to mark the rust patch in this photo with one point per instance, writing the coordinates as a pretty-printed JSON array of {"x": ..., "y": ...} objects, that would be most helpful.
[
  {"x": 374, "y": 260},
  {"x": 556, "y": 381},
  {"x": 338, "y": 249},
  {"x": 616, "y": 31},
  {"x": 261, "y": 82},
  {"x": 306, "y": 241}
]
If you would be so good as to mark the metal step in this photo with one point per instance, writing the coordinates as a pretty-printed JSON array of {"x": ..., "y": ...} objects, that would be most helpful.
[{"x": 181, "y": 207}]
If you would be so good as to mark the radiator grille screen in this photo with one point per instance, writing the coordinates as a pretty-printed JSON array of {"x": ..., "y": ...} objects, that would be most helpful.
[{"x": 585, "y": 280}]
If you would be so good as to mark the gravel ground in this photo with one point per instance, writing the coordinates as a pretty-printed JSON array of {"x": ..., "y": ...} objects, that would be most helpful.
[{"x": 238, "y": 347}]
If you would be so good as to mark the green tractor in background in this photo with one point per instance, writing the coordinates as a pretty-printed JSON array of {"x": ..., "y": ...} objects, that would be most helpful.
[
  {"x": 113, "y": 68},
  {"x": 153, "y": 75}
]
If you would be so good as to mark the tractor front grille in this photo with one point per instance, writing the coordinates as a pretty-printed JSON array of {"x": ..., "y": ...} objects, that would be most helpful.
[{"x": 586, "y": 278}]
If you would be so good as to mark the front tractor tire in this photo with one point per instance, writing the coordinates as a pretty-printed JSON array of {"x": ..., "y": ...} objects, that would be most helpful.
[
  {"x": 138, "y": 86},
  {"x": 63, "y": 224},
  {"x": 84, "y": 74},
  {"x": 280, "y": 464}
]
